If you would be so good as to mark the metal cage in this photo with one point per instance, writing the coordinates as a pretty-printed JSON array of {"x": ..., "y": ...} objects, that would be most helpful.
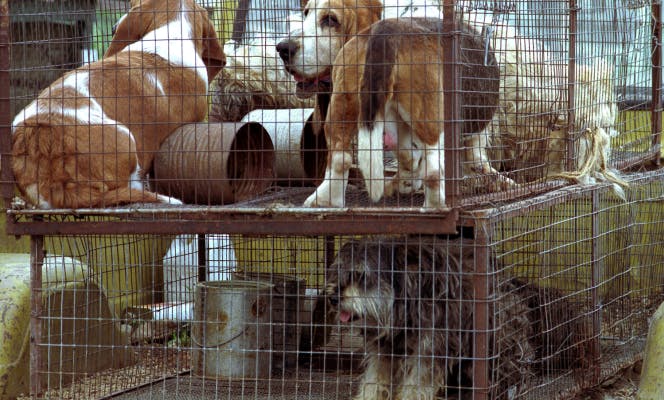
[{"x": 550, "y": 259}]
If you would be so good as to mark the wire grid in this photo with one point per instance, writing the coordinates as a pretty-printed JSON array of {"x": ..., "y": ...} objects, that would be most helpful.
[
  {"x": 570, "y": 280},
  {"x": 554, "y": 119},
  {"x": 592, "y": 268},
  {"x": 129, "y": 285}
]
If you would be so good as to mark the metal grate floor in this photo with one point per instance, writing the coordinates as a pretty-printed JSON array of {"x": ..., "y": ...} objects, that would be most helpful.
[{"x": 305, "y": 385}]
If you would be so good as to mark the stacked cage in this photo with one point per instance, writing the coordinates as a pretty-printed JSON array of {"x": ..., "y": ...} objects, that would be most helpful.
[{"x": 312, "y": 233}]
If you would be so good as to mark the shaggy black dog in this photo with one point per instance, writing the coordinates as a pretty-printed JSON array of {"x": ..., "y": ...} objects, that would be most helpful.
[{"x": 412, "y": 300}]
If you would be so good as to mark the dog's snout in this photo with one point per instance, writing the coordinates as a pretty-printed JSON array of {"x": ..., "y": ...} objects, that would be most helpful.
[{"x": 286, "y": 49}]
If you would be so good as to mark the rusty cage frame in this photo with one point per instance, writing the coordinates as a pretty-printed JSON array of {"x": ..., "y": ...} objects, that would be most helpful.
[{"x": 260, "y": 217}]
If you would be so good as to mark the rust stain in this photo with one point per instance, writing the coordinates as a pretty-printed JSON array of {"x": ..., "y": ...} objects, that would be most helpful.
[{"x": 220, "y": 321}]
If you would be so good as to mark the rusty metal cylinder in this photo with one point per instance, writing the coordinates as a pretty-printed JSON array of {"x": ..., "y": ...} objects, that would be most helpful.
[
  {"x": 231, "y": 331},
  {"x": 300, "y": 154},
  {"x": 286, "y": 305},
  {"x": 215, "y": 163}
]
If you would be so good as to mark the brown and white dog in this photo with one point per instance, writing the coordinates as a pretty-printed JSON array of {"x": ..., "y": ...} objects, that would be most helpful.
[
  {"x": 311, "y": 48},
  {"x": 388, "y": 84},
  {"x": 89, "y": 138},
  {"x": 312, "y": 45}
]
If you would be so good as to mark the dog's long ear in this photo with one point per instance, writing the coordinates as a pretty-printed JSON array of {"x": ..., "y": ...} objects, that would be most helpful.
[
  {"x": 362, "y": 17},
  {"x": 213, "y": 54},
  {"x": 131, "y": 27}
]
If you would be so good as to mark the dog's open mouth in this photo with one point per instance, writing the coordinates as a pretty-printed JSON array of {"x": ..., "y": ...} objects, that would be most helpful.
[
  {"x": 346, "y": 316},
  {"x": 307, "y": 87}
]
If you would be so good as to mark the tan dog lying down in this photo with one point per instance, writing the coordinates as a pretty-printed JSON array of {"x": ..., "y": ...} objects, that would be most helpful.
[
  {"x": 400, "y": 106},
  {"x": 89, "y": 138}
]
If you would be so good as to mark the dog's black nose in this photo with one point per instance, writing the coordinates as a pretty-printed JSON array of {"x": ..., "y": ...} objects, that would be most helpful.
[
  {"x": 334, "y": 300},
  {"x": 286, "y": 49}
]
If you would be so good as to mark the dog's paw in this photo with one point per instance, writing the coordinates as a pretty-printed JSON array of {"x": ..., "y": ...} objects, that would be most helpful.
[
  {"x": 312, "y": 201},
  {"x": 409, "y": 185},
  {"x": 391, "y": 187},
  {"x": 317, "y": 200},
  {"x": 502, "y": 183},
  {"x": 170, "y": 200},
  {"x": 434, "y": 192},
  {"x": 326, "y": 195}
]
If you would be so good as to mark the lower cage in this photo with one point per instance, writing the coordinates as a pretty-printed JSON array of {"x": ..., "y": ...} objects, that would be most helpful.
[{"x": 536, "y": 299}]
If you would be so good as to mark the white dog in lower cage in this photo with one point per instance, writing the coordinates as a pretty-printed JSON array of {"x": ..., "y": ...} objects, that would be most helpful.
[{"x": 181, "y": 270}]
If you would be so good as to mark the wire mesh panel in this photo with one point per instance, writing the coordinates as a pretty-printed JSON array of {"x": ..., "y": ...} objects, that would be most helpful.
[
  {"x": 48, "y": 39},
  {"x": 541, "y": 299},
  {"x": 499, "y": 101},
  {"x": 204, "y": 183},
  {"x": 120, "y": 312},
  {"x": 588, "y": 256},
  {"x": 569, "y": 78}
]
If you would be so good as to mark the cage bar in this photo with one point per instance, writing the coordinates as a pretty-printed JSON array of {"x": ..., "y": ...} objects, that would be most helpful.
[{"x": 551, "y": 237}]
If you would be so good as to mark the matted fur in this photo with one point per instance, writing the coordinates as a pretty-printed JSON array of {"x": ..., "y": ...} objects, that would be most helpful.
[
  {"x": 530, "y": 128},
  {"x": 412, "y": 300}
]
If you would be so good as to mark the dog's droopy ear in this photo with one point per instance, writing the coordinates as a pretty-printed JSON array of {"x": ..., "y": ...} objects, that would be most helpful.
[
  {"x": 130, "y": 28},
  {"x": 213, "y": 54}
]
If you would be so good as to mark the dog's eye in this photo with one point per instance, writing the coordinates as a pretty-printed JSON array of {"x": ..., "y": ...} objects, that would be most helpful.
[{"x": 330, "y": 21}]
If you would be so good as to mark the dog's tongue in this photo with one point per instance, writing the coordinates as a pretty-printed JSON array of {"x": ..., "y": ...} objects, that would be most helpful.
[{"x": 344, "y": 316}]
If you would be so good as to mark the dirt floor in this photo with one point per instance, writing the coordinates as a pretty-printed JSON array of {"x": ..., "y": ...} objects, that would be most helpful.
[{"x": 621, "y": 386}]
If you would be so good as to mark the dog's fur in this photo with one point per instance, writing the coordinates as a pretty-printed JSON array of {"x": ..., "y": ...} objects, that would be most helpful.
[
  {"x": 309, "y": 51},
  {"x": 530, "y": 131},
  {"x": 397, "y": 69},
  {"x": 412, "y": 300},
  {"x": 89, "y": 139}
]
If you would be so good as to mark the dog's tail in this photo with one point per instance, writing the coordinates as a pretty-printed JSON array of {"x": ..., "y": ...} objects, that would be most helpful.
[{"x": 375, "y": 91}]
